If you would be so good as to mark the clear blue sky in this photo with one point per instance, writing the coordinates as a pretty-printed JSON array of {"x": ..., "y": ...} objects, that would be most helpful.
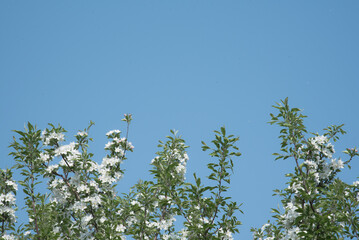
[{"x": 187, "y": 65}]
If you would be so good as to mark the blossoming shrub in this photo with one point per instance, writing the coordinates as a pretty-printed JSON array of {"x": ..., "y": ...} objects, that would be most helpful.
[
  {"x": 317, "y": 204},
  {"x": 83, "y": 204}
]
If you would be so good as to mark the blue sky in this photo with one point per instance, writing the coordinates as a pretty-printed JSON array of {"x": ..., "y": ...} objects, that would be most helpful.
[{"x": 192, "y": 66}]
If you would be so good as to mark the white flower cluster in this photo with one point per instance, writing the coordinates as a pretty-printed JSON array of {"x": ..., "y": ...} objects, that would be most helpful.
[
  {"x": 259, "y": 233},
  {"x": 45, "y": 157},
  {"x": 318, "y": 166},
  {"x": 82, "y": 133},
  {"x": 60, "y": 191},
  {"x": 295, "y": 187},
  {"x": 267, "y": 227},
  {"x": 165, "y": 224},
  {"x": 227, "y": 234},
  {"x": 120, "y": 228},
  {"x": 48, "y": 136},
  {"x": 112, "y": 132},
  {"x": 70, "y": 152},
  {"x": 119, "y": 144},
  {"x": 181, "y": 168},
  {"x": 290, "y": 214},
  {"x": 177, "y": 156},
  {"x": 7, "y": 203},
  {"x": 105, "y": 170},
  {"x": 322, "y": 145},
  {"x": 288, "y": 234},
  {"x": 291, "y": 234},
  {"x": 8, "y": 237},
  {"x": 65, "y": 149},
  {"x": 11, "y": 183},
  {"x": 52, "y": 168},
  {"x": 182, "y": 235}
]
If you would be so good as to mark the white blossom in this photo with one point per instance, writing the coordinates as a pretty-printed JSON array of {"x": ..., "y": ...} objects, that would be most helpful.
[
  {"x": 8, "y": 198},
  {"x": 290, "y": 214},
  {"x": 337, "y": 164},
  {"x": 70, "y": 148},
  {"x": 51, "y": 168},
  {"x": 85, "y": 220},
  {"x": 12, "y": 184},
  {"x": 53, "y": 135},
  {"x": 79, "y": 206},
  {"x": 112, "y": 132},
  {"x": 292, "y": 234},
  {"x": 44, "y": 157},
  {"x": 8, "y": 237},
  {"x": 181, "y": 169},
  {"x": 120, "y": 228},
  {"x": 82, "y": 133}
]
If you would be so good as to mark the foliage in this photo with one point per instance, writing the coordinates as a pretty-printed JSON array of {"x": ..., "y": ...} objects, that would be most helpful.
[
  {"x": 82, "y": 202},
  {"x": 317, "y": 204}
]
